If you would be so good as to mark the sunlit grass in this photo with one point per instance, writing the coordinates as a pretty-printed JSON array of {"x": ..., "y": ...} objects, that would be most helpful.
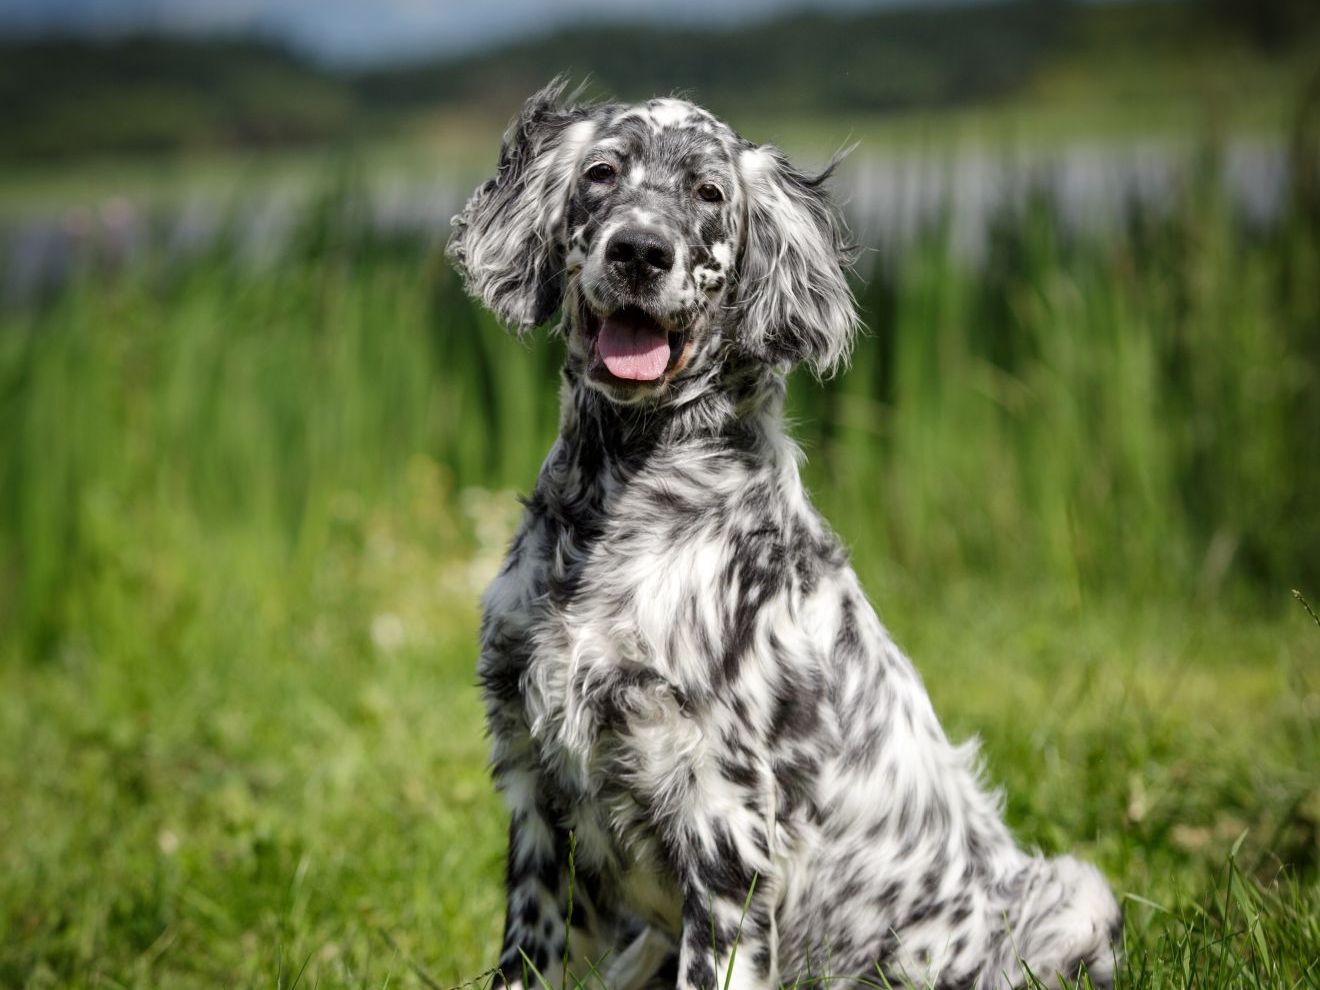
[{"x": 292, "y": 769}]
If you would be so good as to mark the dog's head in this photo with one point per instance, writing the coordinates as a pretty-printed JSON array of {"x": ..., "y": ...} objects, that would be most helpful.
[{"x": 672, "y": 245}]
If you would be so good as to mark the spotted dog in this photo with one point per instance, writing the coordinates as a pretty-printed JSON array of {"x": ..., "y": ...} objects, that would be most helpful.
[{"x": 684, "y": 681}]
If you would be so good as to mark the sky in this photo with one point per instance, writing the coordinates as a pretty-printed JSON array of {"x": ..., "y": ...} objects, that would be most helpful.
[{"x": 358, "y": 31}]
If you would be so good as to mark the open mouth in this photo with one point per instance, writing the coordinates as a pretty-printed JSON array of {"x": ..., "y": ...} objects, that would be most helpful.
[{"x": 631, "y": 347}]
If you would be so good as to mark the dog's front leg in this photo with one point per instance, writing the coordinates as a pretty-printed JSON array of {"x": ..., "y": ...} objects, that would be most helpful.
[
  {"x": 537, "y": 855},
  {"x": 552, "y": 898},
  {"x": 729, "y": 938},
  {"x": 534, "y": 920},
  {"x": 708, "y": 801}
]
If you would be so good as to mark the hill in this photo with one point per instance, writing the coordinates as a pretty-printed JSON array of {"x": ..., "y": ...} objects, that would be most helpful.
[{"x": 64, "y": 98}]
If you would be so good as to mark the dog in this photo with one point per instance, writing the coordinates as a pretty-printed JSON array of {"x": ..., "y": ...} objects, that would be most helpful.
[{"x": 719, "y": 768}]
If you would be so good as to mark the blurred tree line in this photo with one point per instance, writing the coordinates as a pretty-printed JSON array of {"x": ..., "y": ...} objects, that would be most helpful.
[{"x": 63, "y": 98}]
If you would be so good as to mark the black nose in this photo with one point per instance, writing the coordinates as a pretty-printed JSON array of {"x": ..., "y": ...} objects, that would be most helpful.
[{"x": 642, "y": 253}]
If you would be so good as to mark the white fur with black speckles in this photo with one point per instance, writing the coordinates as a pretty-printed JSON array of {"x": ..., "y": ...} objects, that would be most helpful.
[{"x": 680, "y": 668}]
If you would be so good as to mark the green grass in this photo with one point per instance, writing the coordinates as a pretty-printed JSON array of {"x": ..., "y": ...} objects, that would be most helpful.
[
  {"x": 213, "y": 800},
  {"x": 245, "y": 515}
]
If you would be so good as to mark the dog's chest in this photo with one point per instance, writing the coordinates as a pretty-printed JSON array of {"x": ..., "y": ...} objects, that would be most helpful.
[
  {"x": 603, "y": 640},
  {"x": 611, "y": 642}
]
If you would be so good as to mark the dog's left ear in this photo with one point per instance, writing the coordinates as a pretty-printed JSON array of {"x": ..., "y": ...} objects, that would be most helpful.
[
  {"x": 793, "y": 293},
  {"x": 507, "y": 243}
]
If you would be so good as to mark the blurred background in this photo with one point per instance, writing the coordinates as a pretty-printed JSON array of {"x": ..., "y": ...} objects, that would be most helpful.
[{"x": 259, "y": 454}]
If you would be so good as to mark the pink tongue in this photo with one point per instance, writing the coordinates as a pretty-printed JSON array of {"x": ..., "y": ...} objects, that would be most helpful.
[{"x": 633, "y": 351}]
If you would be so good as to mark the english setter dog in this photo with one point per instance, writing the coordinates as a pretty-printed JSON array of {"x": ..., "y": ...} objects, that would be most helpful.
[{"x": 690, "y": 698}]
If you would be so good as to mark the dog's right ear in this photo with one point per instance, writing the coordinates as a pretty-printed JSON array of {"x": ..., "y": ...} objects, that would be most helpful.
[
  {"x": 794, "y": 295},
  {"x": 508, "y": 241}
]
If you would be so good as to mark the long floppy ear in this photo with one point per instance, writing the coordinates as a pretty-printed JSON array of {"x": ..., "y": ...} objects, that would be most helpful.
[
  {"x": 794, "y": 299},
  {"x": 507, "y": 242}
]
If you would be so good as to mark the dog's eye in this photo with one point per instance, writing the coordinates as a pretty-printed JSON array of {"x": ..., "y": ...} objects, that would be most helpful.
[
  {"x": 601, "y": 172},
  {"x": 710, "y": 192}
]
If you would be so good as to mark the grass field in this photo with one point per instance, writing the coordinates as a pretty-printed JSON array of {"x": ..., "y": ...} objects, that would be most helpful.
[{"x": 245, "y": 515}]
